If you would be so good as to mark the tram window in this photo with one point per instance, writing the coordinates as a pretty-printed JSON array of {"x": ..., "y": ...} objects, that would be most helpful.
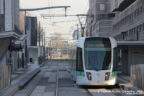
[
  {"x": 115, "y": 59},
  {"x": 79, "y": 61},
  {"x": 98, "y": 54}
]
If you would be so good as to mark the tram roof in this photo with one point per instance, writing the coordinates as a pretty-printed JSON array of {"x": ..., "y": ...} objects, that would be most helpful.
[{"x": 81, "y": 40}]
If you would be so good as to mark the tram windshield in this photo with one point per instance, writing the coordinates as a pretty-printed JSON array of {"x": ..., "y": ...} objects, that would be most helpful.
[{"x": 98, "y": 55}]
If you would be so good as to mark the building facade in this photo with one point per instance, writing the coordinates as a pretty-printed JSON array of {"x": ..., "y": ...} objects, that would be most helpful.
[
  {"x": 99, "y": 21},
  {"x": 125, "y": 23},
  {"x": 9, "y": 31},
  {"x": 129, "y": 23},
  {"x": 128, "y": 30}
]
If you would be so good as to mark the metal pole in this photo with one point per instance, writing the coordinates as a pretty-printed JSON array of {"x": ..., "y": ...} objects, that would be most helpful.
[
  {"x": 39, "y": 34},
  {"x": 57, "y": 80},
  {"x": 25, "y": 48},
  {"x": 44, "y": 45},
  {"x": 81, "y": 26},
  {"x": 77, "y": 32}
]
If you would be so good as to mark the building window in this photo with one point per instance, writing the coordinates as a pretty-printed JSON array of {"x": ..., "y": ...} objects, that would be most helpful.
[
  {"x": 140, "y": 28},
  {"x": 135, "y": 14},
  {"x": 1, "y": 7},
  {"x": 102, "y": 7},
  {"x": 141, "y": 10}
]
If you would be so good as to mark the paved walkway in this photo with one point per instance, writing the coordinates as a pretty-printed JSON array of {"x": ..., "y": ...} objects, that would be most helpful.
[
  {"x": 128, "y": 86},
  {"x": 123, "y": 79}
]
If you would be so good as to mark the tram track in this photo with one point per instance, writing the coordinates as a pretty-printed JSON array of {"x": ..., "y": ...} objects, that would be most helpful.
[
  {"x": 57, "y": 80},
  {"x": 104, "y": 91},
  {"x": 87, "y": 90},
  {"x": 89, "y": 93}
]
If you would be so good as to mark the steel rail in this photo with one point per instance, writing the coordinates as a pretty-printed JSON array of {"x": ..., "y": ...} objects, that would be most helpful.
[
  {"x": 112, "y": 94},
  {"x": 89, "y": 93},
  {"x": 57, "y": 81}
]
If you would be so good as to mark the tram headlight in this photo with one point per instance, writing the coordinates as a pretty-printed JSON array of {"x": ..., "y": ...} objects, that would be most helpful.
[
  {"x": 107, "y": 75},
  {"x": 89, "y": 76}
]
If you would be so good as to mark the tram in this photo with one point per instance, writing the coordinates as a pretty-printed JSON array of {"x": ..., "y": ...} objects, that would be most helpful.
[{"x": 96, "y": 61}]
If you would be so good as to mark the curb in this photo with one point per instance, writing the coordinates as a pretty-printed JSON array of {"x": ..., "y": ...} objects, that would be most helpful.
[
  {"x": 11, "y": 90},
  {"x": 27, "y": 78},
  {"x": 42, "y": 64}
]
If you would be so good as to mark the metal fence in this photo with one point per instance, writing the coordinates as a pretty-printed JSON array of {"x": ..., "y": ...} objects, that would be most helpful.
[
  {"x": 5, "y": 72},
  {"x": 137, "y": 75}
]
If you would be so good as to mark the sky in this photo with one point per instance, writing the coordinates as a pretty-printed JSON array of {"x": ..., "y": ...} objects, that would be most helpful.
[{"x": 57, "y": 25}]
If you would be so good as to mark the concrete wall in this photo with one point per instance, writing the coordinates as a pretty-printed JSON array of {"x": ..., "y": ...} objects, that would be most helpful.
[
  {"x": 131, "y": 55},
  {"x": 8, "y": 15},
  {"x": 11, "y": 14},
  {"x": 129, "y": 24},
  {"x": 28, "y": 30},
  {"x": 96, "y": 22},
  {"x": 136, "y": 55},
  {"x": 1, "y": 7},
  {"x": 102, "y": 28},
  {"x": 16, "y": 13},
  {"x": 2, "y": 15}
]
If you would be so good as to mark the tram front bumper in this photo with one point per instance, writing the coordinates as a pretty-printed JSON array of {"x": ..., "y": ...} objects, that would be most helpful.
[{"x": 109, "y": 82}]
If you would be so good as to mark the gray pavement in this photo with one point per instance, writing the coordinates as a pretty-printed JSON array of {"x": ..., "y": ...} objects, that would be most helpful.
[
  {"x": 44, "y": 84},
  {"x": 129, "y": 89}
]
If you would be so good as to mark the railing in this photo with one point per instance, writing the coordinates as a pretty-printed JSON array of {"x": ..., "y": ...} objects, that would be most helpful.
[
  {"x": 5, "y": 73},
  {"x": 137, "y": 75}
]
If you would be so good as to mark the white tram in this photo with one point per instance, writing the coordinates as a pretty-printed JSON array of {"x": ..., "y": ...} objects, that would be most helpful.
[{"x": 96, "y": 61}]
